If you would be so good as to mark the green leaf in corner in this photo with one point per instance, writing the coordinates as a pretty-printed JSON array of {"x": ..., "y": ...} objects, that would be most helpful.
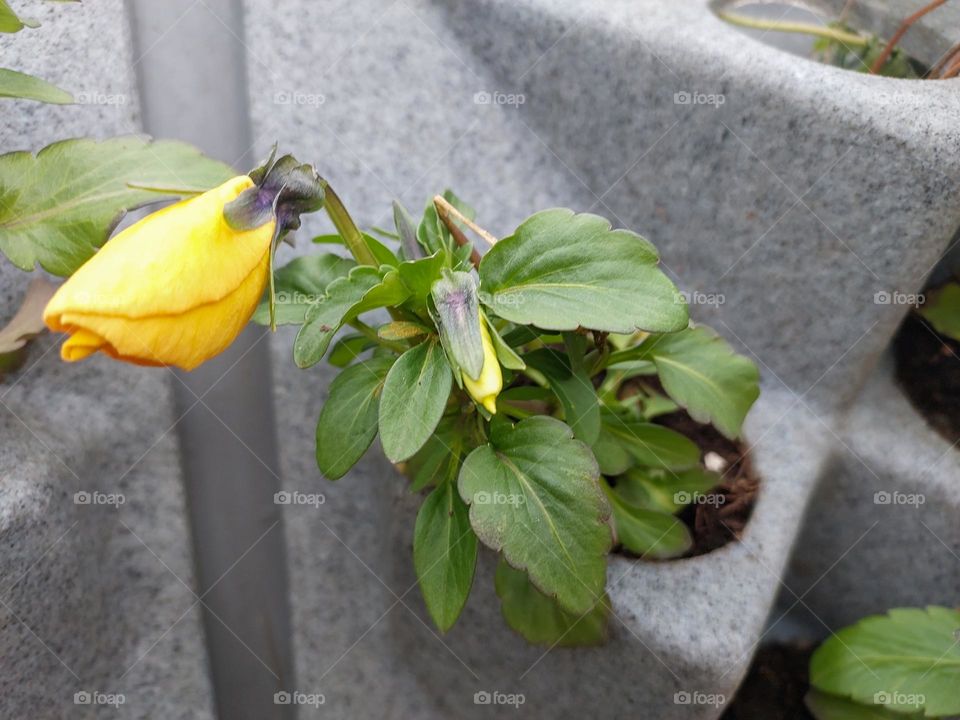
[
  {"x": 21, "y": 86},
  {"x": 540, "y": 620},
  {"x": 301, "y": 283},
  {"x": 534, "y": 495},
  {"x": 57, "y": 207},
  {"x": 348, "y": 420},
  {"x": 444, "y": 554},
  {"x": 830, "y": 707},
  {"x": 561, "y": 271},
  {"x": 572, "y": 388},
  {"x": 9, "y": 21},
  {"x": 648, "y": 533},
  {"x": 907, "y": 660},
  {"x": 414, "y": 397},
  {"x": 702, "y": 374},
  {"x": 942, "y": 310}
]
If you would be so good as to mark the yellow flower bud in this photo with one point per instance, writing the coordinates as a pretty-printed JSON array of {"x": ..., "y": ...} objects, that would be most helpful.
[
  {"x": 176, "y": 288},
  {"x": 485, "y": 388}
]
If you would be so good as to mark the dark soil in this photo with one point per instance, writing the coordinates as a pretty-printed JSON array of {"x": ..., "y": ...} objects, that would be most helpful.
[
  {"x": 775, "y": 685},
  {"x": 928, "y": 369},
  {"x": 713, "y": 525}
]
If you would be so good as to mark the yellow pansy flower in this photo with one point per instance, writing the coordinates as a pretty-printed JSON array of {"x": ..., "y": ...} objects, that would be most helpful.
[{"x": 488, "y": 385}]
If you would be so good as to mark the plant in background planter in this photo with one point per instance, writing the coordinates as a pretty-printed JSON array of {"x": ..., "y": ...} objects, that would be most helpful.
[{"x": 521, "y": 390}]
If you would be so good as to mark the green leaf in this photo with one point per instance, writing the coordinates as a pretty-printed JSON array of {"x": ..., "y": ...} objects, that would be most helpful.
[
  {"x": 830, "y": 707},
  {"x": 402, "y": 330},
  {"x": 533, "y": 494},
  {"x": 301, "y": 283},
  {"x": 349, "y": 348},
  {"x": 414, "y": 398},
  {"x": 653, "y": 445},
  {"x": 664, "y": 490},
  {"x": 574, "y": 390},
  {"x": 9, "y": 22},
  {"x": 57, "y": 207},
  {"x": 942, "y": 310},
  {"x": 419, "y": 275},
  {"x": 382, "y": 254},
  {"x": 649, "y": 533},
  {"x": 390, "y": 291},
  {"x": 612, "y": 457},
  {"x": 701, "y": 373},
  {"x": 561, "y": 271},
  {"x": 444, "y": 554},
  {"x": 324, "y": 318},
  {"x": 348, "y": 420},
  {"x": 19, "y": 85},
  {"x": 907, "y": 660},
  {"x": 406, "y": 231},
  {"x": 540, "y": 620},
  {"x": 505, "y": 354},
  {"x": 439, "y": 458}
]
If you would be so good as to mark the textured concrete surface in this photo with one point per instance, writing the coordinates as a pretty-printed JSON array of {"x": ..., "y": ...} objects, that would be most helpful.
[
  {"x": 93, "y": 598},
  {"x": 882, "y": 529}
]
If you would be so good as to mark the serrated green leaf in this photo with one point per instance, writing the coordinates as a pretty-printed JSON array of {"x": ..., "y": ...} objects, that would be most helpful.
[
  {"x": 540, "y": 620},
  {"x": 324, "y": 318},
  {"x": 664, "y": 490},
  {"x": 57, "y": 207},
  {"x": 702, "y": 374},
  {"x": 389, "y": 292},
  {"x": 649, "y": 533},
  {"x": 414, "y": 398},
  {"x": 534, "y": 495},
  {"x": 348, "y": 420},
  {"x": 942, "y": 310},
  {"x": 574, "y": 390},
  {"x": 301, "y": 283},
  {"x": 907, "y": 660},
  {"x": 561, "y": 271},
  {"x": 830, "y": 707},
  {"x": 444, "y": 554},
  {"x": 653, "y": 445},
  {"x": 22, "y": 86},
  {"x": 419, "y": 275}
]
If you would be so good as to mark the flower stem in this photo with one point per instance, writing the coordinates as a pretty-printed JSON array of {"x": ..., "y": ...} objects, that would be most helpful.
[
  {"x": 795, "y": 27},
  {"x": 369, "y": 332},
  {"x": 347, "y": 228}
]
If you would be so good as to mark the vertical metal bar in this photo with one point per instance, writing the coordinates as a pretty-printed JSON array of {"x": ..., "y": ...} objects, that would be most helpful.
[{"x": 190, "y": 59}]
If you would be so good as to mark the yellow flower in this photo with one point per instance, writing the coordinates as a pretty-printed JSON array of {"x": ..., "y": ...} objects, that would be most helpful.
[
  {"x": 485, "y": 388},
  {"x": 176, "y": 288}
]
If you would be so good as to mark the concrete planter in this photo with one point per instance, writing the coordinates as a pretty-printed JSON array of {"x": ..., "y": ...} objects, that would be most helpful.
[
  {"x": 882, "y": 529},
  {"x": 684, "y": 630}
]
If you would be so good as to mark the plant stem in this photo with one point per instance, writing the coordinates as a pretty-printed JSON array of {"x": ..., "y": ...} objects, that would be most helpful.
[
  {"x": 369, "y": 332},
  {"x": 443, "y": 210},
  {"x": 842, "y": 36},
  {"x": 346, "y": 227},
  {"x": 901, "y": 31},
  {"x": 514, "y": 411},
  {"x": 445, "y": 207}
]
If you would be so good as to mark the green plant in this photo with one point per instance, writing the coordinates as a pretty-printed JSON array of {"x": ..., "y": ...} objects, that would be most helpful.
[
  {"x": 941, "y": 308},
  {"x": 905, "y": 664},
  {"x": 520, "y": 390}
]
